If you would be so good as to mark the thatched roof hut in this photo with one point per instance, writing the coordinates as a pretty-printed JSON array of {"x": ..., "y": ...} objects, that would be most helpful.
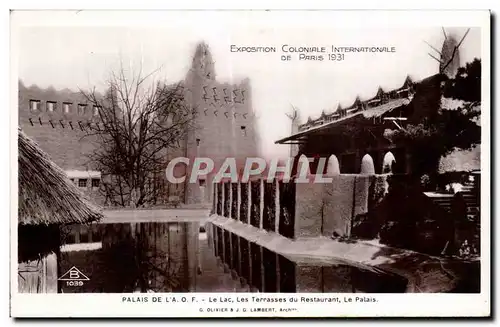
[
  {"x": 46, "y": 195},
  {"x": 47, "y": 199}
]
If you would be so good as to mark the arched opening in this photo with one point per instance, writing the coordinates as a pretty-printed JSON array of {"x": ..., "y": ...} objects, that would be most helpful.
[
  {"x": 333, "y": 167},
  {"x": 367, "y": 166},
  {"x": 388, "y": 163},
  {"x": 303, "y": 162},
  {"x": 298, "y": 162}
]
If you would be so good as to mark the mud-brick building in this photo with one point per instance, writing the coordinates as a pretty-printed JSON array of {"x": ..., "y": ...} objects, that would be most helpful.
[
  {"x": 223, "y": 126},
  {"x": 225, "y": 123},
  {"x": 56, "y": 120},
  {"x": 357, "y": 132},
  {"x": 356, "y": 140}
]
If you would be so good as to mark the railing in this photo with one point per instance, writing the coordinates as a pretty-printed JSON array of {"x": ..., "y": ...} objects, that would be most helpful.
[
  {"x": 265, "y": 205},
  {"x": 300, "y": 209}
]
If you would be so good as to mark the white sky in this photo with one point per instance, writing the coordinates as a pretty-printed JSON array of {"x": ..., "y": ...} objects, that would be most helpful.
[{"x": 82, "y": 56}]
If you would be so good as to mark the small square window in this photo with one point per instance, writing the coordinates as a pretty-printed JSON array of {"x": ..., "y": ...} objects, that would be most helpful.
[
  {"x": 51, "y": 106},
  {"x": 82, "y": 108},
  {"x": 67, "y": 107},
  {"x": 95, "y": 182},
  {"x": 82, "y": 182},
  {"x": 35, "y": 105},
  {"x": 243, "y": 130},
  {"x": 202, "y": 182}
]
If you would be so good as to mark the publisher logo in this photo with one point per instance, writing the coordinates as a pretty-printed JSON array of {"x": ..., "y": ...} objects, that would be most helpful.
[{"x": 74, "y": 277}]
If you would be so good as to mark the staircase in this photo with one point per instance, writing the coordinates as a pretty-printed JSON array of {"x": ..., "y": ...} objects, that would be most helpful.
[
  {"x": 443, "y": 200},
  {"x": 471, "y": 197}
]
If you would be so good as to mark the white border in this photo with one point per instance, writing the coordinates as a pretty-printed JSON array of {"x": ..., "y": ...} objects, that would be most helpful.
[
  {"x": 393, "y": 305},
  {"x": 111, "y": 305}
]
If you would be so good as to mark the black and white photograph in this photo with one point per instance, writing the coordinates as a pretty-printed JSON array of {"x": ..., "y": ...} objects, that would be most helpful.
[{"x": 183, "y": 157}]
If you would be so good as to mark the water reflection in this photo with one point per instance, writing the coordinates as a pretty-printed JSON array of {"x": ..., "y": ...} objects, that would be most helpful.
[
  {"x": 267, "y": 271},
  {"x": 182, "y": 257},
  {"x": 135, "y": 257}
]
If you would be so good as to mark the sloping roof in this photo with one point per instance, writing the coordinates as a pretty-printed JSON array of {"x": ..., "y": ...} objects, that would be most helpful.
[
  {"x": 317, "y": 128},
  {"x": 46, "y": 195},
  {"x": 369, "y": 113},
  {"x": 461, "y": 160},
  {"x": 386, "y": 107},
  {"x": 83, "y": 174}
]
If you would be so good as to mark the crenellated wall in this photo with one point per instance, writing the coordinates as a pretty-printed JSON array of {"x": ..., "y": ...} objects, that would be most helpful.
[{"x": 58, "y": 133}]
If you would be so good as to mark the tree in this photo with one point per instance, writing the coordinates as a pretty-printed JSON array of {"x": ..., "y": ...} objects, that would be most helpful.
[
  {"x": 466, "y": 85},
  {"x": 138, "y": 122},
  {"x": 446, "y": 129}
]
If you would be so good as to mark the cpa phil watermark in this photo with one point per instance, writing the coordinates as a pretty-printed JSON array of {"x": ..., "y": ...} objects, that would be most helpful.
[{"x": 200, "y": 167}]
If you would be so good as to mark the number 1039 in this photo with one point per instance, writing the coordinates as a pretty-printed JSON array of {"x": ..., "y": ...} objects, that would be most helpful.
[{"x": 336, "y": 56}]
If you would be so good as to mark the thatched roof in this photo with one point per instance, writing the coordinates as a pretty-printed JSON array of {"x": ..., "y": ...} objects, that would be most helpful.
[{"x": 46, "y": 195}]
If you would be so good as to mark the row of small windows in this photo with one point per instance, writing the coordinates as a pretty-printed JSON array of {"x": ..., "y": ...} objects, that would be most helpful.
[
  {"x": 51, "y": 106},
  {"x": 82, "y": 182}
]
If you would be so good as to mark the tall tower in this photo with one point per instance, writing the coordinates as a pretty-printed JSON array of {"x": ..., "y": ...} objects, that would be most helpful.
[
  {"x": 203, "y": 64},
  {"x": 198, "y": 85},
  {"x": 224, "y": 121}
]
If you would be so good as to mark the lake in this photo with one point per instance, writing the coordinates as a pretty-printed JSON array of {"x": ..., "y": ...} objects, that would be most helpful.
[{"x": 178, "y": 257}]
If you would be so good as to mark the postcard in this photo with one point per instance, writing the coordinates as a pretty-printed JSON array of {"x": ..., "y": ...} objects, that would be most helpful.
[{"x": 250, "y": 164}]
